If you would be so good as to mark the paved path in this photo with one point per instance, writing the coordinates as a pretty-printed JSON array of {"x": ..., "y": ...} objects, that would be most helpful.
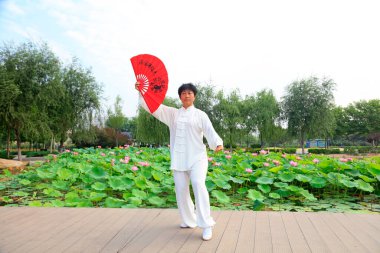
[{"x": 26, "y": 229}]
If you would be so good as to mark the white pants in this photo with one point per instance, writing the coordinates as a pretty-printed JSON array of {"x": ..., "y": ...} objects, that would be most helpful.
[{"x": 201, "y": 216}]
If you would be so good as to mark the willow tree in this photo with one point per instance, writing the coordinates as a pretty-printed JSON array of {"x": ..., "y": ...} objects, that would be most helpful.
[
  {"x": 32, "y": 70},
  {"x": 80, "y": 104},
  {"x": 306, "y": 106},
  {"x": 116, "y": 119},
  {"x": 150, "y": 130},
  {"x": 267, "y": 112},
  {"x": 229, "y": 109}
]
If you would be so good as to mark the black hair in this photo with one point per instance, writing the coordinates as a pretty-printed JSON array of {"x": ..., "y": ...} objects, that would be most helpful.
[{"x": 187, "y": 86}]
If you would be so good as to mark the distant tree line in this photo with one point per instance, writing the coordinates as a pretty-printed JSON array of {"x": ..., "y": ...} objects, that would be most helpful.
[{"x": 43, "y": 101}]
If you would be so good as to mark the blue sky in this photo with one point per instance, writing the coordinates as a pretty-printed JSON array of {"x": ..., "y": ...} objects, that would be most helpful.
[{"x": 245, "y": 44}]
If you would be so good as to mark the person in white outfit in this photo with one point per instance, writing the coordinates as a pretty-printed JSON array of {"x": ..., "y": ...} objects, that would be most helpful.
[{"x": 188, "y": 154}]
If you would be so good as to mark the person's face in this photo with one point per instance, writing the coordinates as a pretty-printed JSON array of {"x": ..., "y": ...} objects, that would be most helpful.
[{"x": 187, "y": 98}]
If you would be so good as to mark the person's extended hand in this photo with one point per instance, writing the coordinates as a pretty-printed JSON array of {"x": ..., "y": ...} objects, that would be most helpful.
[
  {"x": 137, "y": 84},
  {"x": 219, "y": 148}
]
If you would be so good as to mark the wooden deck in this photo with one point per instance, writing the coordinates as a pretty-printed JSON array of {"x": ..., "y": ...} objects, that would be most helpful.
[{"x": 25, "y": 229}]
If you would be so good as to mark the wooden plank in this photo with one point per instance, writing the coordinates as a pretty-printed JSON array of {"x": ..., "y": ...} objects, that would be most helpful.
[
  {"x": 263, "y": 237},
  {"x": 198, "y": 245},
  {"x": 21, "y": 231},
  {"x": 182, "y": 236},
  {"x": 352, "y": 244},
  {"x": 78, "y": 231},
  {"x": 131, "y": 229},
  {"x": 359, "y": 232},
  {"x": 294, "y": 233},
  {"x": 106, "y": 229},
  {"x": 148, "y": 234},
  {"x": 245, "y": 242},
  {"x": 315, "y": 242},
  {"x": 366, "y": 222},
  {"x": 331, "y": 240},
  {"x": 26, "y": 229},
  {"x": 79, "y": 218},
  {"x": 44, "y": 229},
  {"x": 170, "y": 228},
  {"x": 231, "y": 233},
  {"x": 280, "y": 241}
]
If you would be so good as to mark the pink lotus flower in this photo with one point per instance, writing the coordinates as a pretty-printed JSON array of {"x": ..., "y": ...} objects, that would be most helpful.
[
  {"x": 294, "y": 164},
  {"x": 102, "y": 154},
  {"x": 126, "y": 159},
  {"x": 99, "y": 146},
  {"x": 138, "y": 152},
  {"x": 298, "y": 158},
  {"x": 349, "y": 159},
  {"x": 254, "y": 154},
  {"x": 344, "y": 160},
  {"x": 112, "y": 162},
  {"x": 263, "y": 152},
  {"x": 248, "y": 170},
  {"x": 228, "y": 156},
  {"x": 146, "y": 164},
  {"x": 276, "y": 162},
  {"x": 217, "y": 164},
  {"x": 209, "y": 159},
  {"x": 134, "y": 168},
  {"x": 266, "y": 164},
  {"x": 226, "y": 151},
  {"x": 75, "y": 153},
  {"x": 67, "y": 151},
  {"x": 315, "y": 160},
  {"x": 126, "y": 146},
  {"x": 283, "y": 155}
]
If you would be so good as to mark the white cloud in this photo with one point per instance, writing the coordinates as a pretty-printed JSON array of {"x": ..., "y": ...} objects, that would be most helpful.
[
  {"x": 14, "y": 8},
  {"x": 245, "y": 44}
]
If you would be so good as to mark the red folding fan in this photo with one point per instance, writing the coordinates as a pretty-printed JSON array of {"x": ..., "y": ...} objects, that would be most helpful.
[{"x": 153, "y": 77}]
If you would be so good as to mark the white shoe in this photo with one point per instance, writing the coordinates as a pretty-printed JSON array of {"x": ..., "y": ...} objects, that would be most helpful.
[
  {"x": 207, "y": 233},
  {"x": 184, "y": 225}
]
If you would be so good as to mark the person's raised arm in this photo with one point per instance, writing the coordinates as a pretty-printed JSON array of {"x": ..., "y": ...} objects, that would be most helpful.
[{"x": 164, "y": 113}]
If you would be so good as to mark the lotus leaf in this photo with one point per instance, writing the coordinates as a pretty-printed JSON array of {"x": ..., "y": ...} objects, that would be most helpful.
[
  {"x": 136, "y": 201},
  {"x": 157, "y": 201},
  {"x": 99, "y": 186},
  {"x": 303, "y": 178},
  {"x": 364, "y": 186},
  {"x": 274, "y": 195},
  {"x": 220, "y": 196},
  {"x": 280, "y": 184},
  {"x": 157, "y": 175},
  {"x": 264, "y": 188},
  {"x": 97, "y": 196},
  {"x": 264, "y": 180},
  {"x": 138, "y": 193},
  {"x": 114, "y": 202},
  {"x": 318, "y": 182},
  {"x": 255, "y": 195},
  {"x": 23, "y": 182},
  {"x": 98, "y": 173},
  {"x": 286, "y": 177}
]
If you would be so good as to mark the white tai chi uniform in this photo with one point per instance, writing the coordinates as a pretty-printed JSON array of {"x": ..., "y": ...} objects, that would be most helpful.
[{"x": 189, "y": 159}]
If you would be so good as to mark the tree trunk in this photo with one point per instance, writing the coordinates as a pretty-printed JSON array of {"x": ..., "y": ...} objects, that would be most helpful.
[
  {"x": 231, "y": 140},
  {"x": 18, "y": 139},
  {"x": 8, "y": 142},
  {"x": 248, "y": 139},
  {"x": 302, "y": 142}
]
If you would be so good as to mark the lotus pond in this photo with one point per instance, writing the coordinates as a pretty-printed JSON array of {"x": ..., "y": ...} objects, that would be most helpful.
[{"x": 133, "y": 177}]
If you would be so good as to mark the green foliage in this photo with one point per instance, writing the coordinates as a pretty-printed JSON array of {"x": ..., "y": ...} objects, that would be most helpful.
[
  {"x": 307, "y": 107},
  {"x": 106, "y": 178}
]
